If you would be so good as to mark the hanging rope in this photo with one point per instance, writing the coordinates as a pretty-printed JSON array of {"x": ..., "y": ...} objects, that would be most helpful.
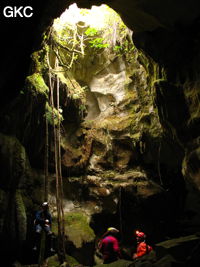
[
  {"x": 60, "y": 180},
  {"x": 120, "y": 212},
  {"x": 58, "y": 170},
  {"x": 41, "y": 259},
  {"x": 159, "y": 173},
  {"x": 46, "y": 163}
]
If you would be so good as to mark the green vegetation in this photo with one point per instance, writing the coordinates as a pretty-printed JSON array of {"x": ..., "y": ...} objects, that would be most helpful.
[
  {"x": 77, "y": 228},
  {"x": 53, "y": 115},
  {"x": 70, "y": 44},
  {"x": 37, "y": 84},
  {"x": 98, "y": 43},
  {"x": 73, "y": 40},
  {"x": 91, "y": 32}
]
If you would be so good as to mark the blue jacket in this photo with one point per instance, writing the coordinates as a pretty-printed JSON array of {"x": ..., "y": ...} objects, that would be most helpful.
[{"x": 41, "y": 216}]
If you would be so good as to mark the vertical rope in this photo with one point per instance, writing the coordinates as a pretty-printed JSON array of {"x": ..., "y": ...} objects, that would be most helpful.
[
  {"x": 46, "y": 180},
  {"x": 41, "y": 260},
  {"x": 62, "y": 221},
  {"x": 120, "y": 212},
  {"x": 51, "y": 86},
  {"x": 58, "y": 169},
  {"x": 159, "y": 173}
]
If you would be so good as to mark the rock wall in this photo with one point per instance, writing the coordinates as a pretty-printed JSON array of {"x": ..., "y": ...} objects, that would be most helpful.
[
  {"x": 19, "y": 196},
  {"x": 127, "y": 148},
  {"x": 177, "y": 97}
]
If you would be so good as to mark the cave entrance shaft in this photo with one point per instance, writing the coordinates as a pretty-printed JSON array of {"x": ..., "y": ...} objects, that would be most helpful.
[
  {"x": 77, "y": 39},
  {"x": 88, "y": 57}
]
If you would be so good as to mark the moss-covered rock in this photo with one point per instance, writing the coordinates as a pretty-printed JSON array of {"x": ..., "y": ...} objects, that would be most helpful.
[
  {"x": 37, "y": 85},
  {"x": 77, "y": 229},
  {"x": 79, "y": 237}
]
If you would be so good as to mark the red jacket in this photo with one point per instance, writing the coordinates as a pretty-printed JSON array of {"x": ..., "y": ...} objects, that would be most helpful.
[
  {"x": 142, "y": 249},
  {"x": 109, "y": 247}
]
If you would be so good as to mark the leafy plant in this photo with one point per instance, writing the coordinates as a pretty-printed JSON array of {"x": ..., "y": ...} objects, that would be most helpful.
[
  {"x": 91, "y": 31},
  {"x": 117, "y": 48},
  {"x": 98, "y": 43}
]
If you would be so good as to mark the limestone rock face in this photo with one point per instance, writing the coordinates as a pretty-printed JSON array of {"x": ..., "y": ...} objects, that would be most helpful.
[
  {"x": 125, "y": 131},
  {"x": 115, "y": 133},
  {"x": 14, "y": 166},
  {"x": 176, "y": 97},
  {"x": 19, "y": 193},
  {"x": 114, "y": 153},
  {"x": 179, "y": 249}
]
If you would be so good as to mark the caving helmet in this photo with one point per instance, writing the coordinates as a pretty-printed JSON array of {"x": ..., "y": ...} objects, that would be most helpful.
[
  {"x": 45, "y": 204},
  {"x": 140, "y": 235},
  {"x": 112, "y": 230}
]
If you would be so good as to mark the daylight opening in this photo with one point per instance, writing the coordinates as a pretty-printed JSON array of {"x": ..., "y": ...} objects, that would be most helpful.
[{"x": 85, "y": 43}]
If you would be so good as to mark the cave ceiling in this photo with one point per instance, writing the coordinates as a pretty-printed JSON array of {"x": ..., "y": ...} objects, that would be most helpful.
[
  {"x": 143, "y": 15},
  {"x": 20, "y": 37}
]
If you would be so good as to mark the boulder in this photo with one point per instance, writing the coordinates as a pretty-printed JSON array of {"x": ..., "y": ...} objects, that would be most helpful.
[{"x": 80, "y": 237}]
